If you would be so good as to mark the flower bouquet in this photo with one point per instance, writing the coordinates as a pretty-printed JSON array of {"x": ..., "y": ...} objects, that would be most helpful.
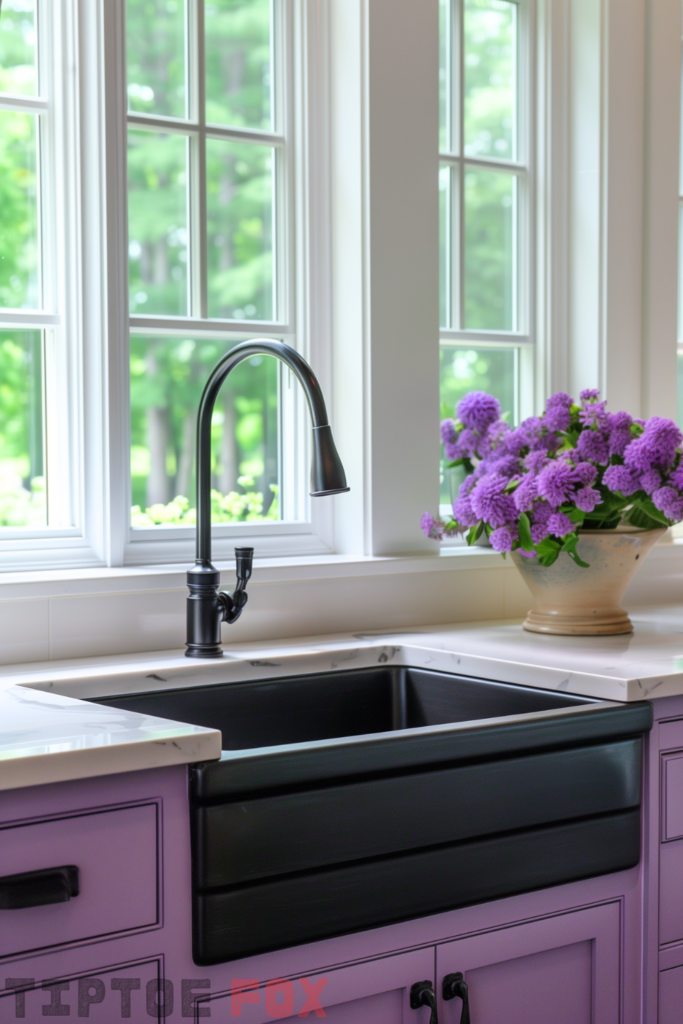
[{"x": 574, "y": 472}]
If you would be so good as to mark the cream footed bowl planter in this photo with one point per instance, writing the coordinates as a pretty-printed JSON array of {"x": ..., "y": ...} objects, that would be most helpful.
[{"x": 570, "y": 600}]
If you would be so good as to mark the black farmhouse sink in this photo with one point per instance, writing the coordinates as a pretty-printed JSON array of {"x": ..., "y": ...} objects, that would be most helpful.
[{"x": 350, "y": 800}]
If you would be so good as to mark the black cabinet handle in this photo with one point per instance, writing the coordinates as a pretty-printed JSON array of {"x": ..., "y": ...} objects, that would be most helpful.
[
  {"x": 422, "y": 994},
  {"x": 38, "y": 888},
  {"x": 455, "y": 987}
]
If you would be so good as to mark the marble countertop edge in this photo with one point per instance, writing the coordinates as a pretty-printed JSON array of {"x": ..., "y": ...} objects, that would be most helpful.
[{"x": 50, "y": 731}]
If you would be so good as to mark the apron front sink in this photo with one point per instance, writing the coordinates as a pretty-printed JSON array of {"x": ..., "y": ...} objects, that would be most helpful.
[{"x": 348, "y": 800}]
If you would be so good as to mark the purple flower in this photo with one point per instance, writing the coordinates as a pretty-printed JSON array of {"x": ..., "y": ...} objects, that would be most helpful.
[
  {"x": 535, "y": 461},
  {"x": 477, "y": 410},
  {"x": 542, "y": 512},
  {"x": 619, "y": 429},
  {"x": 620, "y": 478},
  {"x": 589, "y": 394},
  {"x": 539, "y": 531},
  {"x": 560, "y": 400},
  {"x": 490, "y": 503},
  {"x": 464, "y": 446},
  {"x": 587, "y": 498},
  {"x": 463, "y": 512},
  {"x": 448, "y": 434},
  {"x": 650, "y": 481},
  {"x": 670, "y": 502},
  {"x": 592, "y": 444},
  {"x": 558, "y": 411},
  {"x": 585, "y": 472},
  {"x": 466, "y": 486},
  {"x": 560, "y": 525},
  {"x": 525, "y": 495},
  {"x": 494, "y": 438},
  {"x": 593, "y": 414},
  {"x": 656, "y": 446},
  {"x": 676, "y": 477},
  {"x": 431, "y": 527},
  {"x": 504, "y": 465},
  {"x": 501, "y": 539},
  {"x": 531, "y": 434},
  {"x": 556, "y": 483}
]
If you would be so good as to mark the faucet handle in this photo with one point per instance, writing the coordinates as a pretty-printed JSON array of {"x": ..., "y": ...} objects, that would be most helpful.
[
  {"x": 244, "y": 558},
  {"x": 232, "y": 604}
]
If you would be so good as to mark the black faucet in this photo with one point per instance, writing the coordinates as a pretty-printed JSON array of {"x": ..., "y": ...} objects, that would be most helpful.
[{"x": 207, "y": 607}]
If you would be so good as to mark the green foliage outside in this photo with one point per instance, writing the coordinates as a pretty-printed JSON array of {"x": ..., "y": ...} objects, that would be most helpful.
[
  {"x": 234, "y": 507},
  {"x": 167, "y": 377}
]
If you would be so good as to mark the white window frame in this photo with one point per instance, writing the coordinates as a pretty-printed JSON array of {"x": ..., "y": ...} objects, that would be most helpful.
[
  {"x": 90, "y": 119},
  {"x": 306, "y": 526},
  {"x": 63, "y": 541},
  {"x": 366, "y": 297},
  {"x": 523, "y": 338}
]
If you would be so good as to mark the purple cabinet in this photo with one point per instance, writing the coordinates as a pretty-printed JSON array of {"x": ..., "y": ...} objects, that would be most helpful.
[{"x": 560, "y": 955}]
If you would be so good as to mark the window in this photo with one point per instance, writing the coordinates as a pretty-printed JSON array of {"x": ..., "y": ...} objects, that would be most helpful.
[
  {"x": 208, "y": 222},
  {"x": 35, "y": 474},
  {"x": 484, "y": 192}
]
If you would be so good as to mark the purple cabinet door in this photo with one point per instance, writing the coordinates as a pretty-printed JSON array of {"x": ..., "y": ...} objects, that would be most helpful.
[
  {"x": 558, "y": 970},
  {"x": 375, "y": 992}
]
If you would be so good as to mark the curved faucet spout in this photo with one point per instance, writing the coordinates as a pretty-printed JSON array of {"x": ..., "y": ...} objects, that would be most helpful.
[{"x": 205, "y": 610}]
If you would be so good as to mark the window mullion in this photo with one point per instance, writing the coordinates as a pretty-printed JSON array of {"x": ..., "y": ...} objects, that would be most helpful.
[
  {"x": 459, "y": 298},
  {"x": 199, "y": 230}
]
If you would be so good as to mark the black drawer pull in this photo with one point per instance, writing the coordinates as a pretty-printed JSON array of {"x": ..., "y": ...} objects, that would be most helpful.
[
  {"x": 38, "y": 888},
  {"x": 422, "y": 994},
  {"x": 455, "y": 987}
]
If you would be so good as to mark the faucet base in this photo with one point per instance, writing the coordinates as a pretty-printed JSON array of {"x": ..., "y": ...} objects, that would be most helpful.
[{"x": 214, "y": 651}]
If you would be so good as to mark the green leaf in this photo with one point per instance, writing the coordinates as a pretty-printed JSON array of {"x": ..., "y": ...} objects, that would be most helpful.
[
  {"x": 525, "y": 538},
  {"x": 569, "y": 546},
  {"x": 649, "y": 509},
  {"x": 577, "y": 516},
  {"x": 548, "y": 559},
  {"x": 475, "y": 532}
]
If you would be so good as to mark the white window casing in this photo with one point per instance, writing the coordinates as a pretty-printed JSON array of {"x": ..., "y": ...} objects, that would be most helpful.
[{"x": 364, "y": 244}]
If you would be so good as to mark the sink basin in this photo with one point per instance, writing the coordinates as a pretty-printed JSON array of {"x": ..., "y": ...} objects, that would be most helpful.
[{"x": 348, "y": 800}]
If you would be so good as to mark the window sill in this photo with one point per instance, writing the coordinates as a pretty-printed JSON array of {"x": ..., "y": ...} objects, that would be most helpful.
[
  {"x": 448, "y": 558},
  {"x": 99, "y": 580}
]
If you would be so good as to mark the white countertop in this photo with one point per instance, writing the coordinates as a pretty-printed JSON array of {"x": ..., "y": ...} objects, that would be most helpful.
[{"x": 49, "y": 734}]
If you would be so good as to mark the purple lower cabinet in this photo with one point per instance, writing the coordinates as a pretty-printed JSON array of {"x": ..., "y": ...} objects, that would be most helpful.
[{"x": 121, "y": 949}]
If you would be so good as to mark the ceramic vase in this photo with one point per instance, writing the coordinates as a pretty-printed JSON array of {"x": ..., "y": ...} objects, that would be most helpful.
[{"x": 572, "y": 601}]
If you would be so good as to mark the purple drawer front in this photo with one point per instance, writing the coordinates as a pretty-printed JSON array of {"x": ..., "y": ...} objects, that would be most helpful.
[{"x": 115, "y": 852}]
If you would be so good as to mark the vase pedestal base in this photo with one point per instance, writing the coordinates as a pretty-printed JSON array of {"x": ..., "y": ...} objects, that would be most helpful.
[{"x": 591, "y": 622}]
